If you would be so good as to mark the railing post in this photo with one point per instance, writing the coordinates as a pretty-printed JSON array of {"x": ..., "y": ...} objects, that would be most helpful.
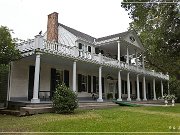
[
  {"x": 38, "y": 42},
  {"x": 100, "y": 57}
]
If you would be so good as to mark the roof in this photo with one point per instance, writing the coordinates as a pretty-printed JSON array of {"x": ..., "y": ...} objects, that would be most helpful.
[
  {"x": 112, "y": 36},
  {"x": 78, "y": 33},
  {"x": 90, "y": 38}
]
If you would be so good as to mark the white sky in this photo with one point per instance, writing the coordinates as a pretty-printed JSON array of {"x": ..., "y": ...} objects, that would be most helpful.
[{"x": 94, "y": 17}]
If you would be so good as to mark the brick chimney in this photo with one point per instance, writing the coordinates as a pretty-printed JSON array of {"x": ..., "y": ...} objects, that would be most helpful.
[{"x": 52, "y": 27}]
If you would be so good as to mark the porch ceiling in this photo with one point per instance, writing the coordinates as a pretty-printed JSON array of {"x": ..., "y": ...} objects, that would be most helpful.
[
  {"x": 112, "y": 48},
  {"x": 85, "y": 67}
]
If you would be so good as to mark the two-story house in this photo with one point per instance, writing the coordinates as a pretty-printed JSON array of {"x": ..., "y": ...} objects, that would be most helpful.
[{"x": 106, "y": 66}]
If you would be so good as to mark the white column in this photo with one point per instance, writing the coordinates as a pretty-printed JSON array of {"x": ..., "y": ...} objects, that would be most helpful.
[
  {"x": 119, "y": 51},
  {"x": 127, "y": 60},
  {"x": 154, "y": 89},
  {"x": 143, "y": 61},
  {"x": 119, "y": 86},
  {"x": 162, "y": 88},
  {"x": 74, "y": 76},
  {"x": 137, "y": 83},
  {"x": 100, "y": 85},
  {"x": 144, "y": 88},
  {"x": 35, "y": 98},
  {"x": 128, "y": 87}
]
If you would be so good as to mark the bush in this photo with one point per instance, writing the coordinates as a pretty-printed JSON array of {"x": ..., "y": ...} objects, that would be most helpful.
[{"x": 64, "y": 100}]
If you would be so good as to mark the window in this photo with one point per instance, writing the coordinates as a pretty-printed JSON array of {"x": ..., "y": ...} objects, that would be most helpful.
[
  {"x": 82, "y": 83},
  {"x": 89, "y": 48},
  {"x": 80, "y": 46}
]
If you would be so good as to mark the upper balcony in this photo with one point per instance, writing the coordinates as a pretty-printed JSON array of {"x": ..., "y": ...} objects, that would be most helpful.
[{"x": 29, "y": 47}]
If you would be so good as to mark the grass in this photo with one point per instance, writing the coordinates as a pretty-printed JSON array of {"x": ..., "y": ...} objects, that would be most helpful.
[{"x": 121, "y": 119}]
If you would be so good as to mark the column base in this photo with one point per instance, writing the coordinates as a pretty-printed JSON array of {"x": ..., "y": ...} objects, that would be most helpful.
[
  {"x": 35, "y": 100},
  {"x": 138, "y": 99},
  {"x": 154, "y": 99},
  {"x": 99, "y": 100},
  {"x": 119, "y": 99},
  {"x": 128, "y": 99},
  {"x": 144, "y": 99}
]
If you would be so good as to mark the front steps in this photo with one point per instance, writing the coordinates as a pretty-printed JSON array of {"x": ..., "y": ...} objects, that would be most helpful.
[
  {"x": 25, "y": 109},
  {"x": 96, "y": 105}
]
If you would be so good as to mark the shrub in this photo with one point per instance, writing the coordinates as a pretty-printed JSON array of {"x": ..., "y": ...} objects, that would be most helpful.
[{"x": 64, "y": 100}]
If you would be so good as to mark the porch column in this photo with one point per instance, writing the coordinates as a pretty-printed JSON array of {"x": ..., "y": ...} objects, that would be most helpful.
[
  {"x": 154, "y": 89},
  {"x": 144, "y": 88},
  {"x": 127, "y": 60},
  {"x": 162, "y": 88},
  {"x": 143, "y": 66},
  {"x": 119, "y": 51},
  {"x": 74, "y": 76},
  {"x": 119, "y": 86},
  {"x": 137, "y": 83},
  {"x": 100, "y": 85},
  {"x": 35, "y": 98},
  {"x": 128, "y": 87}
]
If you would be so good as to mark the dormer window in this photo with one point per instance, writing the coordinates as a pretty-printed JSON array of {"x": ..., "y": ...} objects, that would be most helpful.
[
  {"x": 80, "y": 46},
  {"x": 132, "y": 39},
  {"x": 89, "y": 48}
]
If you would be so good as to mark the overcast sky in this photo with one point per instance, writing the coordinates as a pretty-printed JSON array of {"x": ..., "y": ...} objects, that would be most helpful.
[{"x": 94, "y": 17}]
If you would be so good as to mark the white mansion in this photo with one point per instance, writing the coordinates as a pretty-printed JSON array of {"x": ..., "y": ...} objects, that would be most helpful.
[{"x": 107, "y": 66}]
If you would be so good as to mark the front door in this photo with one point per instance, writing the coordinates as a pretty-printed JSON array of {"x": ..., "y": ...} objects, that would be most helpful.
[{"x": 57, "y": 77}]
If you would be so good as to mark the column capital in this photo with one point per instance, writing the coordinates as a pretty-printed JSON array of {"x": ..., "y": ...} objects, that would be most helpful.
[
  {"x": 38, "y": 52},
  {"x": 118, "y": 41}
]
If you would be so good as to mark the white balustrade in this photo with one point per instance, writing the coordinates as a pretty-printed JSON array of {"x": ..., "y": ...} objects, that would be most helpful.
[
  {"x": 26, "y": 46},
  {"x": 73, "y": 51}
]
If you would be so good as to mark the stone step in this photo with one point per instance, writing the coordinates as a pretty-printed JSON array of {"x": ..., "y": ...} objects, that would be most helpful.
[
  {"x": 38, "y": 105},
  {"x": 35, "y": 110},
  {"x": 10, "y": 112}
]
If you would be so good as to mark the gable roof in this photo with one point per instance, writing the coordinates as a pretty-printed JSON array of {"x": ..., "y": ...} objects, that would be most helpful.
[
  {"x": 112, "y": 36},
  {"x": 78, "y": 33}
]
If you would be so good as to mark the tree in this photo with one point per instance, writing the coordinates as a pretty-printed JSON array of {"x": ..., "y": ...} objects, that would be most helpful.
[
  {"x": 64, "y": 100},
  {"x": 8, "y": 52},
  {"x": 158, "y": 25}
]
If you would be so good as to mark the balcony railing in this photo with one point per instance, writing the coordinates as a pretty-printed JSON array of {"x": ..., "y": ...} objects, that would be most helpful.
[{"x": 69, "y": 51}]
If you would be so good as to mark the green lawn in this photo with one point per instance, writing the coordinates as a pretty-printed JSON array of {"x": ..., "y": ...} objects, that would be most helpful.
[{"x": 120, "y": 119}]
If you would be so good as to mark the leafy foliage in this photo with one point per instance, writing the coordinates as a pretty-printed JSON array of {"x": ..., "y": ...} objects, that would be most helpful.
[
  {"x": 64, "y": 100},
  {"x": 8, "y": 52},
  {"x": 158, "y": 25}
]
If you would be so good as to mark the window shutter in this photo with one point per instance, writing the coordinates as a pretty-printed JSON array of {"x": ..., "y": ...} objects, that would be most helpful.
[
  {"x": 53, "y": 82},
  {"x": 66, "y": 77},
  {"x": 89, "y": 84},
  {"x": 102, "y": 84},
  {"x": 79, "y": 82},
  {"x": 94, "y": 84}
]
